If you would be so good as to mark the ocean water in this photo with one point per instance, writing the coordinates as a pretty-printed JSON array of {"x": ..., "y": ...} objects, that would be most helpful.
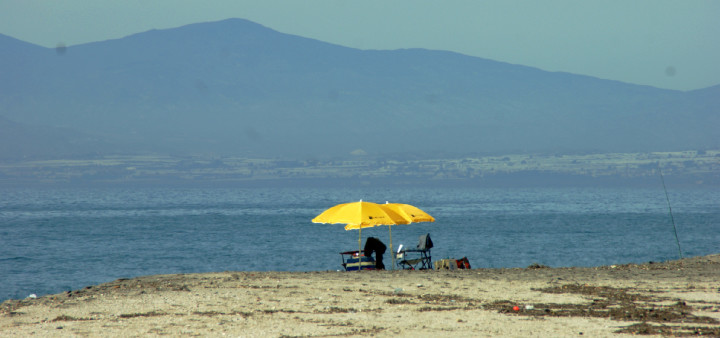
[{"x": 55, "y": 240}]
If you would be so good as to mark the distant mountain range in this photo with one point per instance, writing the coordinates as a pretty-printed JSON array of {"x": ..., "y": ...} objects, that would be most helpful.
[{"x": 235, "y": 87}]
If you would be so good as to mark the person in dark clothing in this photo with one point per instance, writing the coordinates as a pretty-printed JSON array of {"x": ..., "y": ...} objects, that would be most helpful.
[{"x": 375, "y": 245}]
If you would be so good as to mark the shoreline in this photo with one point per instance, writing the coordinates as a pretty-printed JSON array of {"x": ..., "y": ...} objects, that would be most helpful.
[{"x": 677, "y": 297}]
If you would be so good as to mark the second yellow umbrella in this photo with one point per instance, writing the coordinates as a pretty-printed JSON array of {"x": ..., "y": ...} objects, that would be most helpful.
[{"x": 410, "y": 213}]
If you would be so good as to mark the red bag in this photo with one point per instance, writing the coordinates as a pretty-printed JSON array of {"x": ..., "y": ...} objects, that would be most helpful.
[{"x": 463, "y": 263}]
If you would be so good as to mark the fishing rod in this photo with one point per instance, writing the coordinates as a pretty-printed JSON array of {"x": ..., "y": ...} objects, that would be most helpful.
[{"x": 670, "y": 208}]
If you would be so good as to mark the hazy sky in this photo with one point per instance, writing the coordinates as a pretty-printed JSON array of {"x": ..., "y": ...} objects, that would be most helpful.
[{"x": 669, "y": 44}]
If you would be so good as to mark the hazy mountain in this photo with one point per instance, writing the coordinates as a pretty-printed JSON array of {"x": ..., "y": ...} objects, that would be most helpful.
[
  {"x": 28, "y": 142},
  {"x": 236, "y": 87}
]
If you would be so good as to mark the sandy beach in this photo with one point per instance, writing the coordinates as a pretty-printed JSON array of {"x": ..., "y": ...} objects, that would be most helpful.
[{"x": 670, "y": 298}]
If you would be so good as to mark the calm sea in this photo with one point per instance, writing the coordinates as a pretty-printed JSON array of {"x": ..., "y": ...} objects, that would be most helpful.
[{"x": 57, "y": 240}]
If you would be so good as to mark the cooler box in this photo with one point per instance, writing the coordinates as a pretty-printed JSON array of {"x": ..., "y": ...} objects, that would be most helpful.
[{"x": 359, "y": 263}]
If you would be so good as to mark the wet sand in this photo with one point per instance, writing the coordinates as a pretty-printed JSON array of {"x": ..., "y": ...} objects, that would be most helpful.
[{"x": 670, "y": 298}]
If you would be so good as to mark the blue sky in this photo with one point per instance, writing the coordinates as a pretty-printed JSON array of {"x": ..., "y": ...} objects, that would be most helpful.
[{"x": 667, "y": 44}]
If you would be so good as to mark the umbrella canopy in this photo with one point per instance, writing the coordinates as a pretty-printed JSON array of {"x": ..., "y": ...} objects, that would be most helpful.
[
  {"x": 410, "y": 213},
  {"x": 358, "y": 215}
]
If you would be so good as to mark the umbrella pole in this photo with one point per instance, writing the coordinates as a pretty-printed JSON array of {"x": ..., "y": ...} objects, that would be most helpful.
[
  {"x": 359, "y": 248},
  {"x": 392, "y": 253}
]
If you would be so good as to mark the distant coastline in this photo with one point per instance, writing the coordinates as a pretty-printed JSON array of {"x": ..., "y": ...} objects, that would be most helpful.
[{"x": 682, "y": 168}]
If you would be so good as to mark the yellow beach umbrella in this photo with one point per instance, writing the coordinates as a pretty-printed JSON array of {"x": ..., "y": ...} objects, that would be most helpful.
[
  {"x": 358, "y": 215},
  {"x": 411, "y": 213}
]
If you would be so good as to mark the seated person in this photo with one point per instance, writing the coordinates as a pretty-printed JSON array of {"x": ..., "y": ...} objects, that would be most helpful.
[{"x": 375, "y": 245}]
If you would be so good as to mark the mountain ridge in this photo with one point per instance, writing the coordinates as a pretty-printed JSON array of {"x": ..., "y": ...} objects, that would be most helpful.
[{"x": 237, "y": 87}]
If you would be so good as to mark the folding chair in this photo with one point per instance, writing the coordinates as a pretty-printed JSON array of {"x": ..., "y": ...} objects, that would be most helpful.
[{"x": 416, "y": 259}]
